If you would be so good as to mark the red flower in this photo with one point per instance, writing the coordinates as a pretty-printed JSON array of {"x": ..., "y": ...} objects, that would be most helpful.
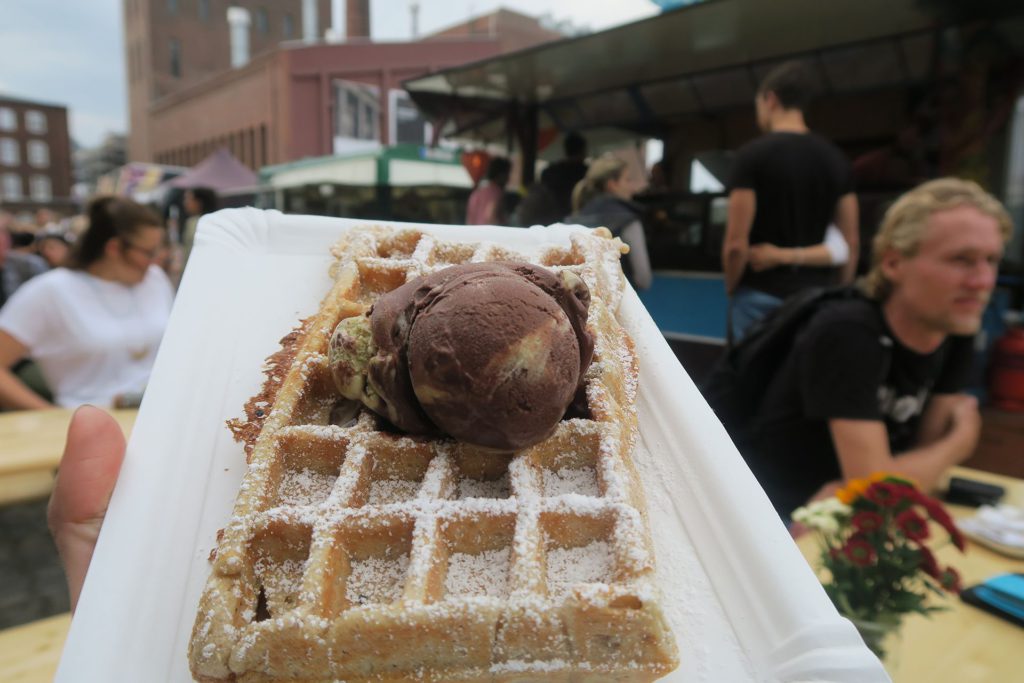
[
  {"x": 929, "y": 565},
  {"x": 950, "y": 580},
  {"x": 913, "y": 525},
  {"x": 939, "y": 514},
  {"x": 867, "y": 521},
  {"x": 859, "y": 552},
  {"x": 884, "y": 494}
]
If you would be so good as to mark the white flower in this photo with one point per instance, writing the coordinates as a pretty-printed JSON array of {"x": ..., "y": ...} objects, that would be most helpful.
[{"x": 822, "y": 515}]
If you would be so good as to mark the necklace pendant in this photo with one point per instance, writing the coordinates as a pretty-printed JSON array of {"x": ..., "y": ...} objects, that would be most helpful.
[{"x": 139, "y": 354}]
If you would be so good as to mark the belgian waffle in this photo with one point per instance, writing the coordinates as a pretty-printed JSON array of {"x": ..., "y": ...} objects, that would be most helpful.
[{"x": 355, "y": 553}]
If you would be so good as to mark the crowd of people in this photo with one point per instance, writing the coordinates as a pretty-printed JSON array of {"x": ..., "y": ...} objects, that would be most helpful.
[
  {"x": 84, "y": 301},
  {"x": 571, "y": 191},
  {"x": 873, "y": 380},
  {"x": 875, "y": 376}
]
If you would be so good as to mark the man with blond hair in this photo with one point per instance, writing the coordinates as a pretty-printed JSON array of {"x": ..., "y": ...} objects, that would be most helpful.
[{"x": 875, "y": 383}]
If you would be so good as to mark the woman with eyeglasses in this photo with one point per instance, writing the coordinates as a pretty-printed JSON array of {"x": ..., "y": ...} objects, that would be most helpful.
[{"x": 92, "y": 327}]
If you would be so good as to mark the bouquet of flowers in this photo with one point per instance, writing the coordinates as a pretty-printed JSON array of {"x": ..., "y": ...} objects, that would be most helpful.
[{"x": 873, "y": 537}]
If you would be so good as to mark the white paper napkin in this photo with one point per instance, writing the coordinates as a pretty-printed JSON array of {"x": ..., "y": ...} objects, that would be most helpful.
[{"x": 1003, "y": 524}]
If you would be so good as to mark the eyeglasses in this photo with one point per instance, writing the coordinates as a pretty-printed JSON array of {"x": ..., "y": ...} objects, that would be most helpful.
[{"x": 150, "y": 254}]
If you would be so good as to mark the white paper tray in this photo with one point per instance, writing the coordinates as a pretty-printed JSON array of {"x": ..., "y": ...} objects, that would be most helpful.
[{"x": 741, "y": 599}]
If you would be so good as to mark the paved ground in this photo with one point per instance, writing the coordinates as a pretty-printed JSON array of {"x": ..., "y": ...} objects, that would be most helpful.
[{"x": 31, "y": 578}]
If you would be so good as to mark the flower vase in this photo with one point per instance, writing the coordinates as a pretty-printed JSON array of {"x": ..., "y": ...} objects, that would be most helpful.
[{"x": 883, "y": 639}]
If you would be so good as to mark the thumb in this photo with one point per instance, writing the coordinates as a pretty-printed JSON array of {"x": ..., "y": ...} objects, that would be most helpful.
[
  {"x": 88, "y": 471},
  {"x": 89, "y": 468}
]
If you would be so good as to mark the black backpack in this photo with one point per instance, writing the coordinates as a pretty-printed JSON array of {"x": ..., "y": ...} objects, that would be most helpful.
[{"x": 743, "y": 373}]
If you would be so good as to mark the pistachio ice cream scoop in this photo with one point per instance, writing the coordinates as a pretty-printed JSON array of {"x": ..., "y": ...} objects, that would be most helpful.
[{"x": 489, "y": 353}]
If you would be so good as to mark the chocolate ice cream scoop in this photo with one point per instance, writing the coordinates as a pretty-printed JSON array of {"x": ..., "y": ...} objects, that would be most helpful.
[{"x": 489, "y": 353}]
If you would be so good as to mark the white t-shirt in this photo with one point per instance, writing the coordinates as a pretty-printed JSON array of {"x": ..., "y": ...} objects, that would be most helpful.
[{"x": 93, "y": 339}]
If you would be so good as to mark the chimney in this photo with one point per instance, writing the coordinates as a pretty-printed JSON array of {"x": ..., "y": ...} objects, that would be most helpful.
[
  {"x": 357, "y": 18},
  {"x": 310, "y": 29},
  {"x": 414, "y": 9},
  {"x": 238, "y": 25}
]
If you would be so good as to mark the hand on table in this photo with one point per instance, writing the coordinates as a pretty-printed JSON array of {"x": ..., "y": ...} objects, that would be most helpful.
[{"x": 88, "y": 471}]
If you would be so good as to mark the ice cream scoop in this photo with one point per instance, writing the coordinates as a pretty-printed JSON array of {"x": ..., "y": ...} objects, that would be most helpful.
[{"x": 489, "y": 353}]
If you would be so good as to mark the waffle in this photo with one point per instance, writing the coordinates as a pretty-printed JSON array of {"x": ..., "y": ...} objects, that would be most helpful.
[{"x": 359, "y": 554}]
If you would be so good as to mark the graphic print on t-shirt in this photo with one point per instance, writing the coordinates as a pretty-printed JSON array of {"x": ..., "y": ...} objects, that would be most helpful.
[{"x": 900, "y": 408}]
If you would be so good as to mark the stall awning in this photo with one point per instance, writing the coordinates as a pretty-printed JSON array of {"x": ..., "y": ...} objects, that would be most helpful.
[
  {"x": 398, "y": 166},
  {"x": 220, "y": 171},
  {"x": 653, "y": 74}
]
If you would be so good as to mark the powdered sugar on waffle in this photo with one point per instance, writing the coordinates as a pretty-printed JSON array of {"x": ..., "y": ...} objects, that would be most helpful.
[
  {"x": 555, "y": 532},
  {"x": 376, "y": 580},
  {"x": 566, "y": 567},
  {"x": 484, "y": 573}
]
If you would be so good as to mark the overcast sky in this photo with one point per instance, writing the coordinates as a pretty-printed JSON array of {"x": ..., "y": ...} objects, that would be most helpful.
[{"x": 70, "y": 52}]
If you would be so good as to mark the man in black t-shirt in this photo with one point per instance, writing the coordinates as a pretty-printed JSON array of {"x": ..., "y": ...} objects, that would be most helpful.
[
  {"x": 561, "y": 177},
  {"x": 786, "y": 188},
  {"x": 874, "y": 384}
]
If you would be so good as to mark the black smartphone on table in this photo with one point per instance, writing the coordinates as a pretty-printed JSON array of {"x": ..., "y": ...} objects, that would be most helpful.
[{"x": 971, "y": 492}]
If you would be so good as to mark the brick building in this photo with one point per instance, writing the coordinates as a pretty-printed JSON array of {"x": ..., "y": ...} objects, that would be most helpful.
[
  {"x": 512, "y": 30},
  {"x": 272, "y": 103},
  {"x": 35, "y": 156},
  {"x": 302, "y": 101},
  {"x": 171, "y": 45}
]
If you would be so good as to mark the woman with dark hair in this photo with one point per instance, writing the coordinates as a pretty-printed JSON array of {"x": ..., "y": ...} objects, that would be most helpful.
[
  {"x": 92, "y": 327},
  {"x": 602, "y": 199}
]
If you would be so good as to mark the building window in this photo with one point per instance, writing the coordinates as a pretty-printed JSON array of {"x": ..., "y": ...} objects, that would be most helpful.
[
  {"x": 9, "y": 152},
  {"x": 357, "y": 111},
  {"x": 8, "y": 119},
  {"x": 38, "y": 153},
  {"x": 175, "y": 48},
  {"x": 40, "y": 189},
  {"x": 35, "y": 122},
  {"x": 11, "y": 186},
  {"x": 204, "y": 10},
  {"x": 172, "y": 7},
  {"x": 262, "y": 23},
  {"x": 288, "y": 30}
]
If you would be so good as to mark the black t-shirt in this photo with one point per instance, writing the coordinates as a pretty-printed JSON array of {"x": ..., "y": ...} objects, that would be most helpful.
[
  {"x": 839, "y": 369},
  {"x": 797, "y": 178},
  {"x": 561, "y": 177}
]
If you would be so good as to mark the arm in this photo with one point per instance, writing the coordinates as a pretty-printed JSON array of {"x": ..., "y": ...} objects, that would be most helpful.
[
  {"x": 833, "y": 251},
  {"x": 938, "y": 416},
  {"x": 863, "y": 447},
  {"x": 847, "y": 219},
  {"x": 765, "y": 256},
  {"x": 742, "y": 207},
  {"x": 639, "y": 260},
  {"x": 13, "y": 392}
]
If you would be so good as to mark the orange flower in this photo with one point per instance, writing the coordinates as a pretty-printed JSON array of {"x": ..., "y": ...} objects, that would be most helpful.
[{"x": 853, "y": 490}]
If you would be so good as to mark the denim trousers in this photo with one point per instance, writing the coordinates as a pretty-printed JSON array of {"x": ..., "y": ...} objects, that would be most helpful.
[{"x": 746, "y": 307}]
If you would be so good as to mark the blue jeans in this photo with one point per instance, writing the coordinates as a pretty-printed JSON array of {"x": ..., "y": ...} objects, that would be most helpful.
[{"x": 746, "y": 307}]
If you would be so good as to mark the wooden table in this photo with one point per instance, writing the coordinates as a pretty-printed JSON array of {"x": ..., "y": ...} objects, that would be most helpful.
[
  {"x": 30, "y": 653},
  {"x": 31, "y": 444},
  {"x": 963, "y": 644}
]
